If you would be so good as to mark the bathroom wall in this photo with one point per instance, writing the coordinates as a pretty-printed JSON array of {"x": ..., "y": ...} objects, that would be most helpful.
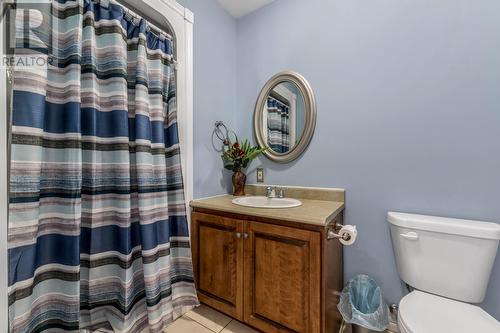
[
  {"x": 408, "y": 111},
  {"x": 214, "y": 90}
]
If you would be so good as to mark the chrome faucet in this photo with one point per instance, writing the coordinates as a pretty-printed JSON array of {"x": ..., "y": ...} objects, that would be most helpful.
[
  {"x": 270, "y": 192},
  {"x": 275, "y": 192}
]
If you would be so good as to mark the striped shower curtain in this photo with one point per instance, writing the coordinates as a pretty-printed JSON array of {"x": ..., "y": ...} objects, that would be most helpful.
[
  {"x": 278, "y": 125},
  {"x": 98, "y": 237}
]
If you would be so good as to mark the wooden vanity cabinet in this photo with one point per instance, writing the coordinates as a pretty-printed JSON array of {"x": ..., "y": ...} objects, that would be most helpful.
[
  {"x": 218, "y": 260},
  {"x": 282, "y": 278},
  {"x": 271, "y": 276}
]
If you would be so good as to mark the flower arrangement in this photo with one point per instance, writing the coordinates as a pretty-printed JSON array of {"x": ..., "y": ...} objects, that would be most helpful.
[{"x": 237, "y": 156}]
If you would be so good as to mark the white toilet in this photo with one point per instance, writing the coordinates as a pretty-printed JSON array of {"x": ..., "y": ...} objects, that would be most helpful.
[{"x": 448, "y": 263}]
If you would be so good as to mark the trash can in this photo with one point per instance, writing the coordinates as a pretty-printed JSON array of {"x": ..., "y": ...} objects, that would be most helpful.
[{"x": 361, "y": 304}]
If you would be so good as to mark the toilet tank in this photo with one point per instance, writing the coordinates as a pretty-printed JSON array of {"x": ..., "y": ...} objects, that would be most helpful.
[{"x": 444, "y": 256}]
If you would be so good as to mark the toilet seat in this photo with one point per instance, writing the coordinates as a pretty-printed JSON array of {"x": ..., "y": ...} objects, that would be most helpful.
[{"x": 421, "y": 312}]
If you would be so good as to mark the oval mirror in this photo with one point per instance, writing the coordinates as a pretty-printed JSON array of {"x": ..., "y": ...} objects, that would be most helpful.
[{"x": 285, "y": 116}]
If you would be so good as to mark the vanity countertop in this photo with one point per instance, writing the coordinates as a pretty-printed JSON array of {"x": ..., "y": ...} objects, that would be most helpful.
[{"x": 318, "y": 208}]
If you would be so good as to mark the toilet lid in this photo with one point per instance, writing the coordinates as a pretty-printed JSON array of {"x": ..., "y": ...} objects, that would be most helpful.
[{"x": 420, "y": 312}]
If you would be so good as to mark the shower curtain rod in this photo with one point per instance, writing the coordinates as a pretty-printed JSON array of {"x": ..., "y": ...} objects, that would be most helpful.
[
  {"x": 151, "y": 22},
  {"x": 279, "y": 98}
]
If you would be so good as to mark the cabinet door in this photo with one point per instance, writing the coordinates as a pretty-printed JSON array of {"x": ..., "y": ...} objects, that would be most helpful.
[
  {"x": 282, "y": 279},
  {"x": 217, "y": 244}
]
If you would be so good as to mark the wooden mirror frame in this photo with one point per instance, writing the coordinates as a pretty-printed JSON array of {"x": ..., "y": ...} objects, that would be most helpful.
[{"x": 310, "y": 115}]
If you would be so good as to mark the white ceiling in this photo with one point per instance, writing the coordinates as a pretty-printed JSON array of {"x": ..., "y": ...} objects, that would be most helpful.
[{"x": 238, "y": 8}]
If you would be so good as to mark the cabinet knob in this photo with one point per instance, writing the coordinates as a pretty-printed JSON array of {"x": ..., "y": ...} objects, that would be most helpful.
[
  {"x": 238, "y": 235},
  {"x": 245, "y": 235}
]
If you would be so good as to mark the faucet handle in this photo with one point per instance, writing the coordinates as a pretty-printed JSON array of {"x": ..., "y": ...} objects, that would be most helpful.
[
  {"x": 280, "y": 192},
  {"x": 270, "y": 192}
]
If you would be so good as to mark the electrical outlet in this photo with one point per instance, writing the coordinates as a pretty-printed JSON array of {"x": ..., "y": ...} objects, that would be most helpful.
[{"x": 260, "y": 175}]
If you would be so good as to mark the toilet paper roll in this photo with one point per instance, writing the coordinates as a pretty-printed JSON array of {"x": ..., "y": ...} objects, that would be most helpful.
[{"x": 349, "y": 230}]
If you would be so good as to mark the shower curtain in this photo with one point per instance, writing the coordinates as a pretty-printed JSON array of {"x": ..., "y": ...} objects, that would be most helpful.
[
  {"x": 98, "y": 236},
  {"x": 278, "y": 131}
]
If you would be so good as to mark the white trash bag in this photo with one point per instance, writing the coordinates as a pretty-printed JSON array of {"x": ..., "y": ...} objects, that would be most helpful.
[{"x": 361, "y": 303}]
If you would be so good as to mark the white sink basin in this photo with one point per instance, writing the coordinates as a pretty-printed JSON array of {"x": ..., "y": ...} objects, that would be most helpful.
[{"x": 265, "y": 202}]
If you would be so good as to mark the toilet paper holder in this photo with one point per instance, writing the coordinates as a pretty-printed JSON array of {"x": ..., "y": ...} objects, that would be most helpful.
[{"x": 332, "y": 232}]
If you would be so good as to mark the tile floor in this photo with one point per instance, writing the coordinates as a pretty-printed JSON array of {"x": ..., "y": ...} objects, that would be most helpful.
[{"x": 204, "y": 319}]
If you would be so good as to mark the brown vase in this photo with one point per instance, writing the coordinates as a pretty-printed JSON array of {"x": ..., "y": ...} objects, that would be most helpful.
[{"x": 239, "y": 180}]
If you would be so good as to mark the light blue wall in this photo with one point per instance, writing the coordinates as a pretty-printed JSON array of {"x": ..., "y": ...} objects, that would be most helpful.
[
  {"x": 408, "y": 99},
  {"x": 214, "y": 90}
]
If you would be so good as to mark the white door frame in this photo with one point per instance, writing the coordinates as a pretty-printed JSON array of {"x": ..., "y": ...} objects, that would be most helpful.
[
  {"x": 292, "y": 100},
  {"x": 179, "y": 19},
  {"x": 4, "y": 327}
]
